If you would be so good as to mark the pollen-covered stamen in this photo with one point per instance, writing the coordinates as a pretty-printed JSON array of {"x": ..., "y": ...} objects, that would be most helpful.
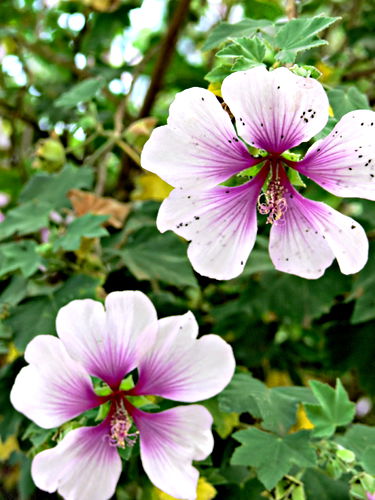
[
  {"x": 120, "y": 425},
  {"x": 273, "y": 202}
]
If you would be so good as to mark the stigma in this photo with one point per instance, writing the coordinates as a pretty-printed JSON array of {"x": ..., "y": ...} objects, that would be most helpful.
[
  {"x": 273, "y": 202},
  {"x": 120, "y": 425}
]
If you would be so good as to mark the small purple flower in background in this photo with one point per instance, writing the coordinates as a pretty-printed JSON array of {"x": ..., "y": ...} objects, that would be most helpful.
[
  {"x": 370, "y": 496},
  {"x": 274, "y": 111},
  {"x": 107, "y": 344}
]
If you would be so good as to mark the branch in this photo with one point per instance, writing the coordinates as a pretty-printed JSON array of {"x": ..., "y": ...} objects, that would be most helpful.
[
  {"x": 291, "y": 9},
  {"x": 166, "y": 51}
]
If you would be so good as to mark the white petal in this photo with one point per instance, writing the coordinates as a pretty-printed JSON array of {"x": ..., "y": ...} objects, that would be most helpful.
[
  {"x": 312, "y": 235},
  {"x": 344, "y": 162},
  {"x": 53, "y": 388},
  {"x": 182, "y": 368},
  {"x": 275, "y": 110},
  {"x": 220, "y": 222},
  {"x": 108, "y": 343},
  {"x": 170, "y": 441},
  {"x": 83, "y": 466},
  {"x": 199, "y": 146}
]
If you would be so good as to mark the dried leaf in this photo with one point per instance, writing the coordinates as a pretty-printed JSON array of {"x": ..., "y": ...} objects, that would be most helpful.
[{"x": 84, "y": 202}]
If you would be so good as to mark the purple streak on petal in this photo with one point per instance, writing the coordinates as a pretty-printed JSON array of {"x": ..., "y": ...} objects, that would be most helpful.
[
  {"x": 312, "y": 234},
  {"x": 182, "y": 368},
  {"x": 199, "y": 146},
  {"x": 170, "y": 441},
  {"x": 275, "y": 110},
  {"x": 344, "y": 162},
  {"x": 221, "y": 224},
  {"x": 83, "y": 466},
  {"x": 53, "y": 388},
  {"x": 108, "y": 343}
]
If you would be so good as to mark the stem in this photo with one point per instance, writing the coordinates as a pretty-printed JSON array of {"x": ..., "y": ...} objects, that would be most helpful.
[
  {"x": 165, "y": 55},
  {"x": 291, "y": 9}
]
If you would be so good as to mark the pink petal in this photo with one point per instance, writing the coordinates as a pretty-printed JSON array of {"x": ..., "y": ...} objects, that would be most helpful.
[
  {"x": 83, "y": 466},
  {"x": 344, "y": 162},
  {"x": 312, "y": 235},
  {"x": 53, "y": 388},
  {"x": 108, "y": 343},
  {"x": 199, "y": 146},
  {"x": 170, "y": 441},
  {"x": 182, "y": 368},
  {"x": 220, "y": 222},
  {"x": 275, "y": 110}
]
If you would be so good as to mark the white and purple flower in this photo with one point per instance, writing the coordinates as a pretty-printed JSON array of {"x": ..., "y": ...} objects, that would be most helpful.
[
  {"x": 274, "y": 111},
  {"x": 56, "y": 386}
]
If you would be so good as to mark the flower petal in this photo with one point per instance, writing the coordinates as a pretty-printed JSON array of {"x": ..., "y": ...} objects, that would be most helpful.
[
  {"x": 170, "y": 440},
  {"x": 83, "y": 466},
  {"x": 220, "y": 222},
  {"x": 53, "y": 388},
  {"x": 199, "y": 146},
  {"x": 344, "y": 162},
  {"x": 275, "y": 110},
  {"x": 108, "y": 343},
  {"x": 182, "y": 368},
  {"x": 312, "y": 235}
]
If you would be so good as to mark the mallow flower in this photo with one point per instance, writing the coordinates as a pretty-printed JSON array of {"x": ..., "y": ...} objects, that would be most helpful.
[
  {"x": 56, "y": 386},
  {"x": 201, "y": 147}
]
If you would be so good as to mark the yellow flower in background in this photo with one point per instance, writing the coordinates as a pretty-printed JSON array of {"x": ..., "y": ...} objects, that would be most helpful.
[
  {"x": 302, "y": 421},
  {"x": 8, "y": 447},
  {"x": 150, "y": 187},
  {"x": 205, "y": 491}
]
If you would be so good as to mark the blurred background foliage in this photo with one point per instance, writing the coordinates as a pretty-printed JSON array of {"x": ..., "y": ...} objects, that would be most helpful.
[{"x": 82, "y": 85}]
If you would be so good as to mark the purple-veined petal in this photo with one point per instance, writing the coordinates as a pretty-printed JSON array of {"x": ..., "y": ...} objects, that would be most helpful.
[
  {"x": 169, "y": 441},
  {"x": 199, "y": 145},
  {"x": 182, "y": 368},
  {"x": 275, "y": 110},
  {"x": 83, "y": 466},
  {"x": 109, "y": 342},
  {"x": 220, "y": 222},
  {"x": 53, "y": 388},
  {"x": 311, "y": 235},
  {"x": 344, "y": 161}
]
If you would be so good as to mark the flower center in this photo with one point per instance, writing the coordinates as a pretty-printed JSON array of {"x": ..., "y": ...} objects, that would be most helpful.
[
  {"x": 120, "y": 425},
  {"x": 273, "y": 202}
]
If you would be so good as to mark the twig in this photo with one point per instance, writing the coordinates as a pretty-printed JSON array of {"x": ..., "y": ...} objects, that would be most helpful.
[
  {"x": 291, "y": 9},
  {"x": 165, "y": 55},
  {"x": 129, "y": 151}
]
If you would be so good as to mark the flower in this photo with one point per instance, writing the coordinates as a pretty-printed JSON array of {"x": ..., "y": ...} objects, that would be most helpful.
[
  {"x": 370, "y": 496},
  {"x": 107, "y": 344},
  {"x": 200, "y": 148}
]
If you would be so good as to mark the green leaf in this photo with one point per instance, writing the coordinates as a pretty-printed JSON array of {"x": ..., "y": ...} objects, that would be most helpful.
[
  {"x": 250, "y": 51},
  {"x": 25, "y": 219},
  {"x": 52, "y": 188},
  {"x": 300, "y": 34},
  {"x": 88, "y": 226},
  {"x": 358, "y": 438},
  {"x": 246, "y": 394},
  {"x": 14, "y": 292},
  {"x": 82, "y": 92},
  {"x": 246, "y": 27},
  {"x": 272, "y": 455},
  {"x": 344, "y": 101},
  {"x": 364, "y": 292},
  {"x": 19, "y": 255},
  {"x": 334, "y": 408},
  {"x": 35, "y": 316},
  {"x": 152, "y": 256},
  {"x": 219, "y": 73},
  {"x": 319, "y": 486},
  {"x": 368, "y": 459}
]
